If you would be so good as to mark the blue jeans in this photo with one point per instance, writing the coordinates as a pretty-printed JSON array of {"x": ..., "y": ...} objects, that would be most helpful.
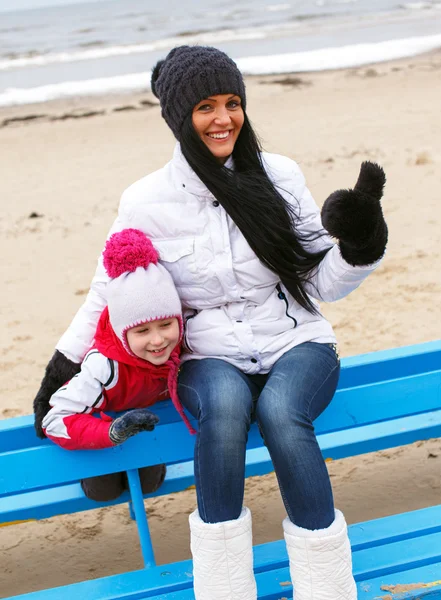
[{"x": 284, "y": 403}]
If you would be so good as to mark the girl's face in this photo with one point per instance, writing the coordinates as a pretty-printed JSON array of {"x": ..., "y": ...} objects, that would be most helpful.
[
  {"x": 218, "y": 121},
  {"x": 154, "y": 341}
]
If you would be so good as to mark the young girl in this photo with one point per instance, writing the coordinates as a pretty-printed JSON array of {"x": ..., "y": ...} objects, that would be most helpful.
[
  {"x": 133, "y": 363},
  {"x": 250, "y": 256}
]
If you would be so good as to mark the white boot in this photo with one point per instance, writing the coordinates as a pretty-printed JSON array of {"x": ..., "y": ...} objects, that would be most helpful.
[
  {"x": 320, "y": 561},
  {"x": 223, "y": 558}
]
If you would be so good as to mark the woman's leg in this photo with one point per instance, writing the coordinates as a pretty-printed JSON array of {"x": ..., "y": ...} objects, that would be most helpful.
[
  {"x": 299, "y": 387},
  {"x": 221, "y": 397}
]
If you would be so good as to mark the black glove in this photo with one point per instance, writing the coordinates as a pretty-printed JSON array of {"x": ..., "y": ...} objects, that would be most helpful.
[
  {"x": 131, "y": 423},
  {"x": 58, "y": 371},
  {"x": 355, "y": 217}
]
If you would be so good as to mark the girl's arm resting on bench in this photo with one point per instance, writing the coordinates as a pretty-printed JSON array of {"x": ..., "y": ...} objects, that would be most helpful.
[{"x": 70, "y": 422}]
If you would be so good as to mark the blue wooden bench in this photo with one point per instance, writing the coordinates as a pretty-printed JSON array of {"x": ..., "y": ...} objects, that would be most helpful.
[{"x": 385, "y": 399}]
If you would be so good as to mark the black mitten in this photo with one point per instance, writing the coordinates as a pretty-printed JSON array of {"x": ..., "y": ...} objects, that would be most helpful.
[
  {"x": 356, "y": 219},
  {"x": 58, "y": 371},
  {"x": 131, "y": 423}
]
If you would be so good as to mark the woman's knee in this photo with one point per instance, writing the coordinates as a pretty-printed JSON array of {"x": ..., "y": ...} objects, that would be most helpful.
[
  {"x": 283, "y": 422},
  {"x": 300, "y": 386},
  {"x": 219, "y": 390}
]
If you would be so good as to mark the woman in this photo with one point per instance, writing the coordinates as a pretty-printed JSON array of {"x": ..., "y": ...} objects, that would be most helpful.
[{"x": 244, "y": 241}]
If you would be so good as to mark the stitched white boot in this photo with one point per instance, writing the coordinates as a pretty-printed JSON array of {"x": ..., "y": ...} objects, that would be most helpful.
[
  {"x": 320, "y": 561},
  {"x": 223, "y": 558}
]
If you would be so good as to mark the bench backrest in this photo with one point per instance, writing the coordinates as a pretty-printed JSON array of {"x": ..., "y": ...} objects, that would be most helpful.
[{"x": 374, "y": 388}]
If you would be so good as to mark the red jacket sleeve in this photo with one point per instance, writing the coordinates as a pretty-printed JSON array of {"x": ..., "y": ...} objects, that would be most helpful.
[{"x": 85, "y": 433}]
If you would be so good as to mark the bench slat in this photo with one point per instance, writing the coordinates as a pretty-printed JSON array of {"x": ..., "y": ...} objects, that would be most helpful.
[
  {"x": 403, "y": 526},
  {"x": 26, "y": 469},
  {"x": 364, "y": 370},
  {"x": 70, "y": 498},
  {"x": 379, "y": 562},
  {"x": 429, "y": 576},
  {"x": 384, "y": 555},
  {"x": 389, "y": 364},
  {"x": 49, "y": 502},
  {"x": 378, "y": 402},
  {"x": 379, "y": 436},
  {"x": 272, "y": 586},
  {"x": 19, "y": 432},
  {"x": 356, "y": 405}
]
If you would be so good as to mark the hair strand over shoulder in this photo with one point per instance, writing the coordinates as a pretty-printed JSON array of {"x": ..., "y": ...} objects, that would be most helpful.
[{"x": 263, "y": 215}]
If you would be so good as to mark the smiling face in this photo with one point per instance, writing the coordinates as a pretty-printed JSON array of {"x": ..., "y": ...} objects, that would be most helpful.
[
  {"x": 218, "y": 121},
  {"x": 154, "y": 341}
]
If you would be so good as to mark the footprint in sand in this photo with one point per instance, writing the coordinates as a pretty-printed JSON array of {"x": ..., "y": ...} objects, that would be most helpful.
[{"x": 10, "y": 412}]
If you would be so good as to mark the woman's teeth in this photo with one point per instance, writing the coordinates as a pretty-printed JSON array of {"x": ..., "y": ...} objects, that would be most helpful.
[{"x": 219, "y": 136}]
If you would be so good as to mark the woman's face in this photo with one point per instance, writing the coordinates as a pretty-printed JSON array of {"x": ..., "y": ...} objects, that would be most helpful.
[{"x": 218, "y": 121}]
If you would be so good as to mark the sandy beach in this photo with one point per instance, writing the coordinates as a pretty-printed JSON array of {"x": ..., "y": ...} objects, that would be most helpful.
[{"x": 64, "y": 166}]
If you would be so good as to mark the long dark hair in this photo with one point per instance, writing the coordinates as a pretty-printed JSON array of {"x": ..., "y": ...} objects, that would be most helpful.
[{"x": 264, "y": 217}]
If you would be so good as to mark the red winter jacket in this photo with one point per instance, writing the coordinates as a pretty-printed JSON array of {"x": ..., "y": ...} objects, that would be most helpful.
[{"x": 110, "y": 379}]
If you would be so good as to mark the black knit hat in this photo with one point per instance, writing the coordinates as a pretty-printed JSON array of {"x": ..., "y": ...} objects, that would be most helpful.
[{"x": 188, "y": 75}]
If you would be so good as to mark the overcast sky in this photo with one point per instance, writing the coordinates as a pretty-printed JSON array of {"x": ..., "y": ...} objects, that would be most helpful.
[{"x": 7, "y": 5}]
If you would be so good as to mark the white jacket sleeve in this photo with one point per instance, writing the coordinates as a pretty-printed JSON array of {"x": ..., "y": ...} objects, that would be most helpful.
[
  {"x": 77, "y": 340},
  {"x": 69, "y": 422},
  {"x": 334, "y": 278}
]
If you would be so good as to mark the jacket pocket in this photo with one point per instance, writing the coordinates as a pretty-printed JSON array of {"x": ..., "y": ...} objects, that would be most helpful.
[
  {"x": 173, "y": 250},
  {"x": 178, "y": 257}
]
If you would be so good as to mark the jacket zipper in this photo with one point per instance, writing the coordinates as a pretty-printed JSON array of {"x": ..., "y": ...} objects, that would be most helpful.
[
  {"x": 186, "y": 344},
  {"x": 281, "y": 295}
]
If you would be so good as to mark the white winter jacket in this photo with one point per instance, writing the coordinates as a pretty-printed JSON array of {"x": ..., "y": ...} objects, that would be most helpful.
[{"x": 233, "y": 308}]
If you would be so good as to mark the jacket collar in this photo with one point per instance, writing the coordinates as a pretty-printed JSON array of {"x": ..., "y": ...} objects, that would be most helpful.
[{"x": 185, "y": 179}]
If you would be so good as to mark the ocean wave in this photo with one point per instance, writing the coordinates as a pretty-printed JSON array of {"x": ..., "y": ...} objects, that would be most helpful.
[
  {"x": 10, "y": 56},
  {"x": 92, "y": 44},
  {"x": 421, "y": 5},
  {"x": 277, "y": 7},
  {"x": 96, "y": 50},
  {"x": 69, "y": 89},
  {"x": 339, "y": 58},
  {"x": 314, "y": 60},
  {"x": 204, "y": 37}
]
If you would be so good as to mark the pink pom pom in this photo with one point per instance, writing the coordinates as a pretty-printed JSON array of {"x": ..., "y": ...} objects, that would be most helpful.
[{"x": 127, "y": 250}]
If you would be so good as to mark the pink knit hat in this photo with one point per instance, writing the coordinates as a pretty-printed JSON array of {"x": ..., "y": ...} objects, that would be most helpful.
[{"x": 140, "y": 289}]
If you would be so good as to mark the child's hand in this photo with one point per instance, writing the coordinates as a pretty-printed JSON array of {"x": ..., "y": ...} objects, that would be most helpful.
[{"x": 131, "y": 423}]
